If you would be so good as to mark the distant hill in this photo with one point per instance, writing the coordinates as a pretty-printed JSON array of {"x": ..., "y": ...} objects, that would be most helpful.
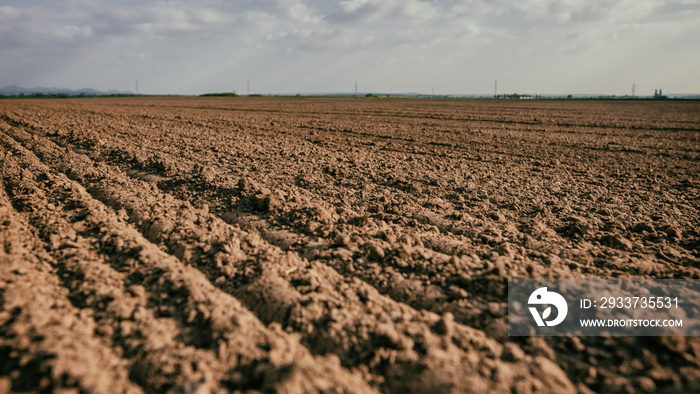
[{"x": 13, "y": 90}]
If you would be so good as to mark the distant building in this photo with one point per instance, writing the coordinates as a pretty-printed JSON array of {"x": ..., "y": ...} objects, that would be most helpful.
[
  {"x": 516, "y": 96},
  {"x": 659, "y": 94}
]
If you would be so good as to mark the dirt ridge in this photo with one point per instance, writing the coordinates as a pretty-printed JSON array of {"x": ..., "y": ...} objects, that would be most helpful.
[
  {"x": 230, "y": 342},
  {"x": 272, "y": 291},
  {"x": 356, "y": 232}
]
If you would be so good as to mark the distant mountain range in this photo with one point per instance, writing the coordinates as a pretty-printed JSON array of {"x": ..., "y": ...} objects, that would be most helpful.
[{"x": 13, "y": 90}]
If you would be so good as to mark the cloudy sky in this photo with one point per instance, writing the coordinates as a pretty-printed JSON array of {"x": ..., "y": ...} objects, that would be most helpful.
[{"x": 311, "y": 46}]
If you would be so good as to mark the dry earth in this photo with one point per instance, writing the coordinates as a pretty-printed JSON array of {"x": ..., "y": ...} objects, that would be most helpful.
[{"x": 199, "y": 245}]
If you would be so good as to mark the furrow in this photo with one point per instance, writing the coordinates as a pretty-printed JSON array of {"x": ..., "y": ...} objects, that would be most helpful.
[
  {"x": 46, "y": 343},
  {"x": 404, "y": 348},
  {"x": 426, "y": 269},
  {"x": 442, "y": 265},
  {"x": 178, "y": 331},
  {"x": 71, "y": 228},
  {"x": 254, "y": 207},
  {"x": 426, "y": 226},
  {"x": 375, "y": 190}
]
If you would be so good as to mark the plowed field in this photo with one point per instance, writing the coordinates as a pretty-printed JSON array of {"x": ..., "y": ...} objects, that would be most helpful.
[{"x": 198, "y": 245}]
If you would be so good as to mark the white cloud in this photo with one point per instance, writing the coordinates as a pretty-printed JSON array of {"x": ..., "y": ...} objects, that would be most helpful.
[{"x": 8, "y": 14}]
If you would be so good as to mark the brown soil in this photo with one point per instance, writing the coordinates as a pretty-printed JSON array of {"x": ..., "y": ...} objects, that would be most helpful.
[{"x": 336, "y": 245}]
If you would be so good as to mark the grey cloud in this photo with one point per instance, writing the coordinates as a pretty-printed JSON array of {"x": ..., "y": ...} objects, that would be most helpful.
[
  {"x": 679, "y": 7},
  {"x": 118, "y": 21},
  {"x": 242, "y": 35},
  {"x": 589, "y": 13},
  {"x": 386, "y": 13},
  {"x": 354, "y": 11},
  {"x": 357, "y": 24}
]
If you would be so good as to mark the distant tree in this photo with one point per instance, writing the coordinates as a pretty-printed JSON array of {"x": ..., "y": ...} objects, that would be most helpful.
[{"x": 228, "y": 94}]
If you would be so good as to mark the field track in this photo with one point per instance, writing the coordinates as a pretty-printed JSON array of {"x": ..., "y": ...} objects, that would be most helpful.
[{"x": 197, "y": 245}]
